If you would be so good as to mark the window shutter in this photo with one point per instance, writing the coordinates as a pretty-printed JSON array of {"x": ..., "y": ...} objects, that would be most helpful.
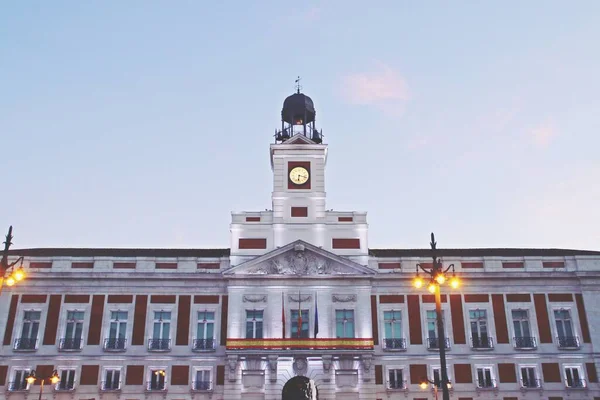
[
  {"x": 379, "y": 374},
  {"x": 463, "y": 373},
  {"x": 551, "y": 372},
  {"x": 180, "y": 374},
  {"x": 417, "y": 372},
  {"x": 506, "y": 373},
  {"x": 220, "y": 375},
  {"x": 89, "y": 374},
  {"x": 135, "y": 375}
]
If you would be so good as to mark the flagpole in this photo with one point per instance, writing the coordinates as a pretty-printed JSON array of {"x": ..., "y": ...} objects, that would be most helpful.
[
  {"x": 299, "y": 314},
  {"x": 316, "y": 317},
  {"x": 282, "y": 316}
]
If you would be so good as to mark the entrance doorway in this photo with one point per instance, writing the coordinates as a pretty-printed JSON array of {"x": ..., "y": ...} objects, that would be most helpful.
[{"x": 300, "y": 388}]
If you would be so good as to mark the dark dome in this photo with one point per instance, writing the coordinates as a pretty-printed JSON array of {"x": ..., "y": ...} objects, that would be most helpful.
[{"x": 298, "y": 107}]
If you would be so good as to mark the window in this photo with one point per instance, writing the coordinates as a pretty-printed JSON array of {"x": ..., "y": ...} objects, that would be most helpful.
[
  {"x": 529, "y": 377},
  {"x": 73, "y": 332},
  {"x": 485, "y": 378},
  {"x": 432, "y": 333},
  {"x": 437, "y": 376},
  {"x": 19, "y": 381},
  {"x": 67, "y": 380},
  {"x": 29, "y": 332},
  {"x": 202, "y": 380},
  {"x": 392, "y": 321},
  {"x": 117, "y": 331},
  {"x": 303, "y": 321},
  {"x": 205, "y": 331},
  {"x": 161, "y": 334},
  {"x": 564, "y": 329},
  {"x": 344, "y": 323},
  {"x": 158, "y": 379},
  {"x": 479, "y": 329},
  {"x": 254, "y": 324},
  {"x": 574, "y": 378},
  {"x": 112, "y": 379},
  {"x": 521, "y": 326},
  {"x": 396, "y": 379}
]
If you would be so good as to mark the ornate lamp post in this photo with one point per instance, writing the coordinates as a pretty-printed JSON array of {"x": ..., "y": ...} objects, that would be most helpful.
[
  {"x": 437, "y": 276},
  {"x": 32, "y": 377},
  {"x": 16, "y": 275},
  {"x": 425, "y": 383}
]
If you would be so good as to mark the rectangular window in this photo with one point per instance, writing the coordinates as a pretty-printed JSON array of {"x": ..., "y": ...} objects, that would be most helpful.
[
  {"x": 112, "y": 379},
  {"x": 432, "y": 332},
  {"x": 344, "y": 323},
  {"x": 19, "y": 381},
  {"x": 564, "y": 329},
  {"x": 73, "y": 332},
  {"x": 522, "y": 328},
  {"x": 254, "y": 324},
  {"x": 479, "y": 329},
  {"x": 303, "y": 321},
  {"x": 205, "y": 331},
  {"x": 437, "y": 377},
  {"x": 484, "y": 378},
  {"x": 202, "y": 380},
  {"x": 529, "y": 378},
  {"x": 158, "y": 379},
  {"x": 161, "y": 333},
  {"x": 573, "y": 377},
  {"x": 392, "y": 321},
  {"x": 67, "y": 380},
  {"x": 396, "y": 379},
  {"x": 29, "y": 331},
  {"x": 117, "y": 331}
]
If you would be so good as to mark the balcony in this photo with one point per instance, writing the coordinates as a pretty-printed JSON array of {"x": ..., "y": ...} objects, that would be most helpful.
[
  {"x": 156, "y": 386},
  {"x": 111, "y": 386},
  {"x": 525, "y": 343},
  {"x": 159, "y": 344},
  {"x": 531, "y": 383},
  {"x": 72, "y": 344},
  {"x": 114, "y": 344},
  {"x": 201, "y": 386},
  {"x": 64, "y": 388},
  {"x": 397, "y": 385},
  {"x": 576, "y": 384},
  {"x": 486, "y": 384},
  {"x": 434, "y": 343},
  {"x": 394, "y": 344},
  {"x": 17, "y": 386},
  {"x": 568, "y": 342},
  {"x": 482, "y": 343},
  {"x": 203, "y": 345},
  {"x": 293, "y": 343},
  {"x": 25, "y": 344}
]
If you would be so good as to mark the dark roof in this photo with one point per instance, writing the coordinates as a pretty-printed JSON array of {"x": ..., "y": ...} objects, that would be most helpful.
[
  {"x": 99, "y": 252},
  {"x": 93, "y": 252},
  {"x": 493, "y": 252}
]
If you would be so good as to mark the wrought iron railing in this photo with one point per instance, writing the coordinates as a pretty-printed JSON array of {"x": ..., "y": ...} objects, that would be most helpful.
[
  {"x": 201, "y": 385},
  {"x": 156, "y": 385},
  {"x": 70, "y": 344},
  {"x": 397, "y": 385},
  {"x": 525, "y": 342},
  {"x": 25, "y": 344},
  {"x": 531, "y": 383},
  {"x": 485, "y": 342},
  {"x": 203, "y": 344},
  {"x": 486, "y": 383},
  {"x": 159, "y": 344},
  {"x": 576, "y": 383},
  {"x": 294, "y": 343},
  {"x": 111, "y": 385},
  {"x": 17, "y": 386},
  {"x": 434, "y": 343},
  {"x": 568, "y": 342},
  {"x": 114, "y": 344},
  {"x": 394, "y": 344}
]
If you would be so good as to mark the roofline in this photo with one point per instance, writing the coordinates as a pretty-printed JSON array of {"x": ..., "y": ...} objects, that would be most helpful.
[{"x": 225, "y": 252}]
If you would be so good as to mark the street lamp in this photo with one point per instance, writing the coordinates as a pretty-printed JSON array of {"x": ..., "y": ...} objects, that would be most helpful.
[
  {"x": 16, "y": 275},
  {"x": 425, "y": 383},
  {"x": 437, "y": 276},
  {"x": 32, "y": 377}
]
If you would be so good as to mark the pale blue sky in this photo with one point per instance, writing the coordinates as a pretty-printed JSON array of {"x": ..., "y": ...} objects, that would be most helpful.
[{"x": 145, "y": 123}]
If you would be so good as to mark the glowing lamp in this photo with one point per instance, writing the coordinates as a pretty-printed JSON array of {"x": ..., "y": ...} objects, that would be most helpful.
[
  {"x": 10, "y": 281},
  {"x": 454, "y": 282},
  {"x": 418, "y": 283},
  {"x": 449, "y": 385},
  {"x": 440, "y": 279},
  {"x": 431, "y": 287},
  {"x": 423, "y": 385},
  {"x": 30, "y": 379},
  {"x": 54, "y": 379},
  {"x": 19, "y": 274}
]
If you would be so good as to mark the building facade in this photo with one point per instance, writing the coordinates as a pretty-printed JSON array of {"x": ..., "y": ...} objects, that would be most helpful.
[{"x": 299, "y": 293}]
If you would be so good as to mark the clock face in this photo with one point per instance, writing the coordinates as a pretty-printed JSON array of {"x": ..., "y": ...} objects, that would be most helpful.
[{"x": 299, "y": 175}]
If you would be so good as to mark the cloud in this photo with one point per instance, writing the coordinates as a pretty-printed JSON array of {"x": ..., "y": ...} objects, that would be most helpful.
[
  {"x": 382, "y": 87},
  {"x": 543, "y": 134}
]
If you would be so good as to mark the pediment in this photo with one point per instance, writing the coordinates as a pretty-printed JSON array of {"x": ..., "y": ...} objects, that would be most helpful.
[
  {"x": 299, "y": 259},
  {"x": 299, "y": 138}
]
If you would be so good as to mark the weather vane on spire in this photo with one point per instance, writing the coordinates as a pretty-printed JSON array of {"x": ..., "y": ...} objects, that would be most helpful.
[{"x": 298, "y": 87}]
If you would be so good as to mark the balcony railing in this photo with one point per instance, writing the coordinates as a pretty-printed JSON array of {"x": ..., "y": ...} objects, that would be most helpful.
[
  {"x": 568, "y": 342},
  {"x": 397, "y": 385},
  {"x": 111, "y": 386},
  {"x": 394, "y": 344},
  {"x": 203, "y": 345},
  {"x": 114, "y": 344},
  {"x": 482, "y": 343},
  {"x": 25, "y": 344},
  {"x": 17, "y": 386},
  {"x": 434, "y": 343},
  {"x": 576, "y": 383},
  {"x": 525, "y": 342},
  {"x": 159, "y": 344},
  {"x": 201, "y": 385},
  {"x": 293, "y": 343},
  {"x": 155, "y": 386},
  {"x": 486, "y": 383},
  {"x": 66, "y": 387},
  {"x": 531, "y": 383},
  {"x": 72, "y": 344}
]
